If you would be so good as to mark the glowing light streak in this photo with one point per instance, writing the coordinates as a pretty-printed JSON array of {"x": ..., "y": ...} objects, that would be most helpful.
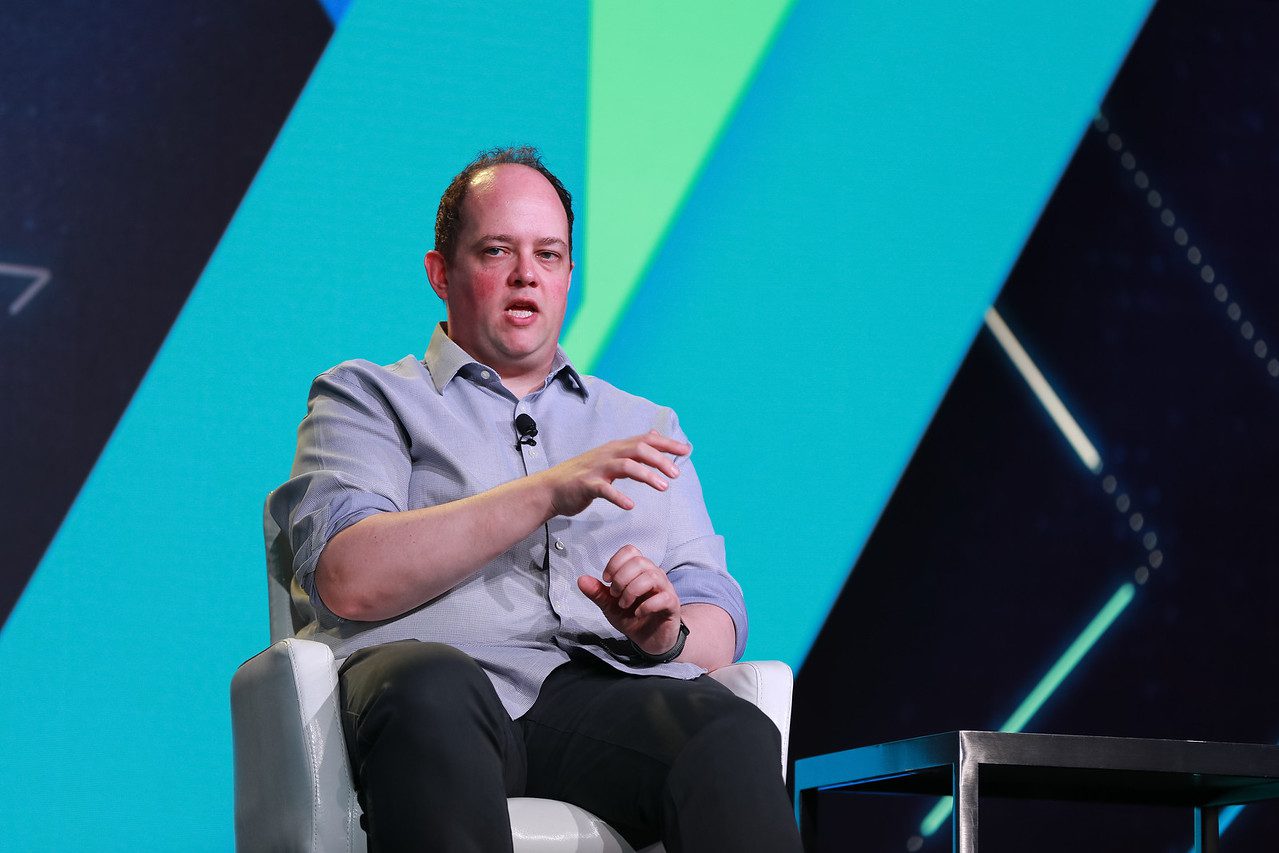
[
  {"x": 1051, "y": 402},
  {"x": 1047, "y": 686}
]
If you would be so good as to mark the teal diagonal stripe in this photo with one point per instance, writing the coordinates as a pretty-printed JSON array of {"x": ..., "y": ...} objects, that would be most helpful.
[{"x": 833, "y": 262}]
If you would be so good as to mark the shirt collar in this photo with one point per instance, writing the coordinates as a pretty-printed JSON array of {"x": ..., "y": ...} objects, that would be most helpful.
[{"x": 445, "y": 359}]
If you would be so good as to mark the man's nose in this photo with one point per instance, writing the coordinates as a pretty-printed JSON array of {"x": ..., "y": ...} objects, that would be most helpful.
[{"x": 525, "y": 272}]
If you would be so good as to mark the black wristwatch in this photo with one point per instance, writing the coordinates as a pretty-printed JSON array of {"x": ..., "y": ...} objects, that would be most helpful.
[{"x": 667, "y": 656}]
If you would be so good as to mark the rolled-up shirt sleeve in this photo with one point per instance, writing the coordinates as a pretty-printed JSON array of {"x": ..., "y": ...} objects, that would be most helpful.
[
  {"x": 351, "y": 463},
  {"x": 695, "y": 560}
]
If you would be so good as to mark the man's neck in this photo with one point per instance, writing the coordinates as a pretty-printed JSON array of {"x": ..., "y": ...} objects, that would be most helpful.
[
  {"x": 516, "y": 378},
  {"x": 523, "y": 384},
  {"x": 520, "y": 379}
]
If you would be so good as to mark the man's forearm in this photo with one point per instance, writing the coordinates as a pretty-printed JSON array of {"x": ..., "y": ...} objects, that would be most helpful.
[
  {"x": 388, "y": 564},
  {"x": 712, "y": 636}
]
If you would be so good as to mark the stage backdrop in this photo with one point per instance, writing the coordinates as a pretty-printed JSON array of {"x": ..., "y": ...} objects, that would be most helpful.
[{"x": 800, "y": 223}]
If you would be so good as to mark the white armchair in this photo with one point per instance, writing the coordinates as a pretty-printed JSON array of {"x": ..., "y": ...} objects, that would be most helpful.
[{"x": 293, "y": 787}]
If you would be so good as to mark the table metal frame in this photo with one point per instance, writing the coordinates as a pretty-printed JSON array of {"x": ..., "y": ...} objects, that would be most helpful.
[{"x": 965, "y": 764}]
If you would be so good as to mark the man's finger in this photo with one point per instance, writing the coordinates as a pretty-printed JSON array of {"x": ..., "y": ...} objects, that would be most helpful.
[
  {"x": 633, "y": 569},
  {"x": 625, "y": 573},
  {"x": 654, "y": 458},
  {"x": 665, "y": 602},
  {"x": 634, "y": 590},
  {"x": 615, "y": 562},
  {"x": 638, "y": 471},
  {"x": 614, "y": 495},
  {"x": 666, "y": 444}
]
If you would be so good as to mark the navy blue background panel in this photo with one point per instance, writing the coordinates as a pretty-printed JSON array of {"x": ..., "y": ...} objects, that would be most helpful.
[{"x": 128, "y": 135}]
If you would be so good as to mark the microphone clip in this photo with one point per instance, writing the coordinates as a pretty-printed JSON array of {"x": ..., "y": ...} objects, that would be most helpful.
[{"x": 527, "y": 428}]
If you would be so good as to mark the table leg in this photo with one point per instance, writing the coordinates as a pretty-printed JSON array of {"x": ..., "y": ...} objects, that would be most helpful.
[
  {"x": 806, "y": 814},
  {"x": 1207, "y": 836},
  {"x": 964, "y": 821}
]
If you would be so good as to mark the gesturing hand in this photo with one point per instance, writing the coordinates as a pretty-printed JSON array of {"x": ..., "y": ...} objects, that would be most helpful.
[
  {"x": 637, "y": 599},
  {"x": 580, "y": 480}
]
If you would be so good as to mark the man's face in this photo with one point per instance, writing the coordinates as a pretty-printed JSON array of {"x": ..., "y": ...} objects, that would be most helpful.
[{"x": 507, "y": 287}]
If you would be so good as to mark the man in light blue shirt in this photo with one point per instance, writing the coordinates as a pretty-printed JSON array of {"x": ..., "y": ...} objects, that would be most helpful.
[{"x": 506, "y": 553}]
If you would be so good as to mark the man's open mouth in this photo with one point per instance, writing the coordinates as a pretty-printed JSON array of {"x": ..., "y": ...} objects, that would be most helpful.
[{"x": 521, "y": 310}]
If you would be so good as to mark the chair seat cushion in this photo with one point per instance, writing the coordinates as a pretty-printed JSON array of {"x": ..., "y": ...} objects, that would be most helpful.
[{"x": 551, "y": 826}]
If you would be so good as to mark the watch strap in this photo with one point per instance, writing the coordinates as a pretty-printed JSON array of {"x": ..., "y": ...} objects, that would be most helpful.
[{"x": 667, "y": 656}]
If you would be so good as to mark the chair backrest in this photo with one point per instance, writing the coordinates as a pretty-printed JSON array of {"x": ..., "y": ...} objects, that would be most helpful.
[{"x": 289, "y": 605}]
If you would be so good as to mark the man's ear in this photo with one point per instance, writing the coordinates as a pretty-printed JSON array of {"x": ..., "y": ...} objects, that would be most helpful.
[{"x": 437, "y": 273}]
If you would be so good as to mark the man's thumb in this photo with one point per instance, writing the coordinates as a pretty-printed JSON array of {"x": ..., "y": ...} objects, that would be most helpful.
[{"x": 593, "y": 588}]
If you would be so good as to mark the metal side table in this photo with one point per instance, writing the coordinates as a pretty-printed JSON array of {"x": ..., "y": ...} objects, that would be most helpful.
[{"x": 1197, "y": 774}]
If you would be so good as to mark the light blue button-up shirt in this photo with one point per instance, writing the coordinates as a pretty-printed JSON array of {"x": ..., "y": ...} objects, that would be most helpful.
[{"x": 421, "y": 433}]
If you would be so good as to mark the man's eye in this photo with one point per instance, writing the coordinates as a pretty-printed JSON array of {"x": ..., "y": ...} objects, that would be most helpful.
[
  {"x": 549, "y": 256},
  {"x": 493, "y": 251}
]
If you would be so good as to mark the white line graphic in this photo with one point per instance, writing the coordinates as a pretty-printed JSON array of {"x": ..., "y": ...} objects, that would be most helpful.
[
  {"x": 1056, "y": 410},
  {"x": 39, "y": 278}
]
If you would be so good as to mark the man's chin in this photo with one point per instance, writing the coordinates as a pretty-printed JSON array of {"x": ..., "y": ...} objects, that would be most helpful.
[
  {"x": 527, "y": 345},
  {"x": 524, "y": 358}
]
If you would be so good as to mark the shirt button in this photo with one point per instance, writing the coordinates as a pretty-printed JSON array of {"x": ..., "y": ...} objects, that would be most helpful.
[
  {"x": 559, "y": 546},
  {"x": 484, "y": 374}
]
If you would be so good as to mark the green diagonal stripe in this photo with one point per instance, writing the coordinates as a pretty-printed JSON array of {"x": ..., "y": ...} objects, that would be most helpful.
[
  {"x": 1047, "y": 685},
  {"x": 665, "y": 78}
]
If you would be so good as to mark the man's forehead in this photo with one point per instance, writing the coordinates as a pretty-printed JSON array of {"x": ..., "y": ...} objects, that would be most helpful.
[
  {"x": 516, "y": 173},
  {"x": 507, "y": 182}
]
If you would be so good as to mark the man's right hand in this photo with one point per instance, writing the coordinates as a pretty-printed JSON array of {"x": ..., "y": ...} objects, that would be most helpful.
[{"x": 575, "y": 483}]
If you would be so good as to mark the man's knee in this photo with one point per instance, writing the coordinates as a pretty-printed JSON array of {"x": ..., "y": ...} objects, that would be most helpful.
[
  {"x": 701, "y": 722},
  {"x": 738, "y": 728},
  {"x": 431, "y": 683}
]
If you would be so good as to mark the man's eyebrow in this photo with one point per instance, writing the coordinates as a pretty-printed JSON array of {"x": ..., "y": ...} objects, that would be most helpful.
[{"x": 507, "y": 238}]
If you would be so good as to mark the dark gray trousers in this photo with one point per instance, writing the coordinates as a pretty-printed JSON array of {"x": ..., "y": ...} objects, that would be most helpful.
[{"x": 435, "y": 755}]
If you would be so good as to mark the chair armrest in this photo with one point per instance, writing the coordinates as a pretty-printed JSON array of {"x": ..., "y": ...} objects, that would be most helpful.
[
  {"x": 768, "y": 685},
  {"x": 292, "y": 781}
]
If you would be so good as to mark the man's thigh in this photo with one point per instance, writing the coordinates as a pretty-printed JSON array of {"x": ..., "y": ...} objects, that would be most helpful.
[
  {"x": 415, "y": 712},
  {"x": 608, "y": 741}
]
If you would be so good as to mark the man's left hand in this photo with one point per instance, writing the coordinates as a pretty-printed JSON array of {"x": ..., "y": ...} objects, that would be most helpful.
[{"x": 637, "y": 598}]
